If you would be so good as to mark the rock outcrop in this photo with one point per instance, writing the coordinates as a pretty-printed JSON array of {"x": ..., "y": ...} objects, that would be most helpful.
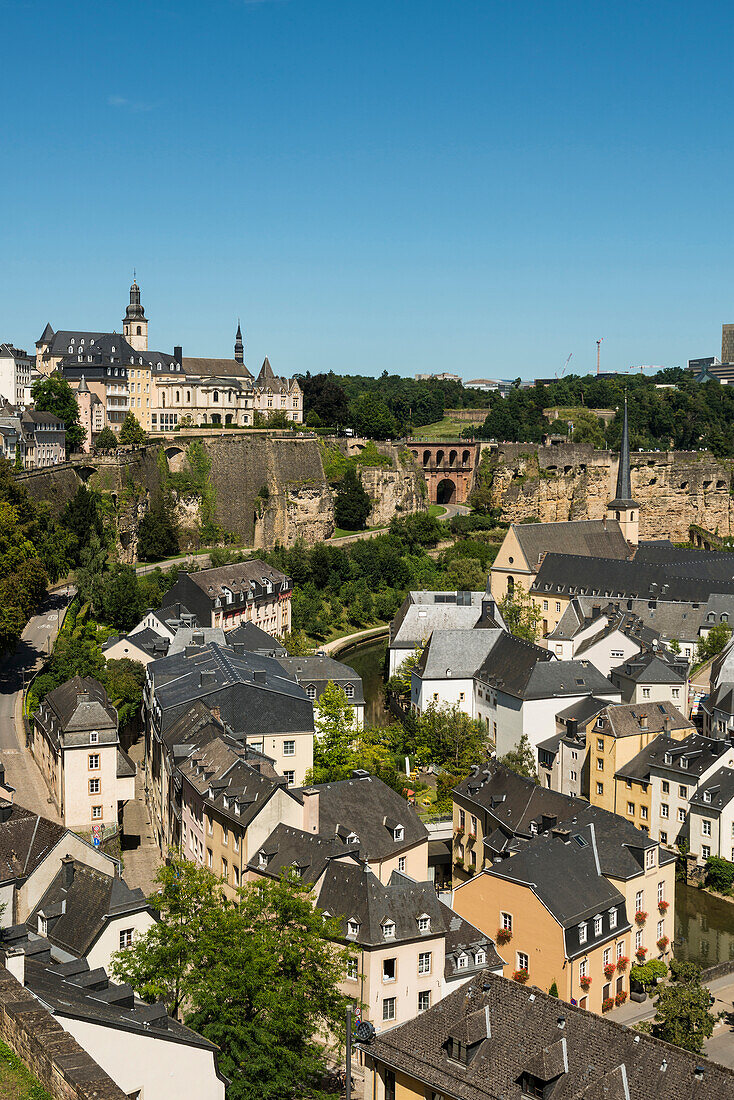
[{"x": 674, "y": 488}]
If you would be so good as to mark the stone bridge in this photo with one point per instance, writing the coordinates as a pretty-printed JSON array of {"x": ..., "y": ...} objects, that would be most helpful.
[{"x": 448, "y": 469}]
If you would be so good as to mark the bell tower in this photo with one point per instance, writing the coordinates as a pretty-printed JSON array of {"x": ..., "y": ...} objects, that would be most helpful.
[
  {"x": 239, "y": 347},
  {"x": 623, "y": 508},
  {"x": 134, "y": 325}
]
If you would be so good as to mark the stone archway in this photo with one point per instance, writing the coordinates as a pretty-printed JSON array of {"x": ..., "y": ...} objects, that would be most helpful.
[{"x": 446, "y": 491}]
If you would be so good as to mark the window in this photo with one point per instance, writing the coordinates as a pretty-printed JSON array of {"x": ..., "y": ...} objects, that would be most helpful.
[
  {"x": 352, "y": 969},
  {"x": 645, "y": 693},
  {"x": 424, "y": 962},
  {"x": 705, "y": 851},
  {"x": 558, "y": 605},
  {"x": 661, "y": 928},
  {"x": 599, "y": 764},
  {"x": 663, "y": 837},
  {"x": 389, "y": 970},
  {"x": 620, "y": 949},
  {"x": 631, "y": 808},
  {"x": 607, "y": 956},
  {"x": 683, "y": 792},
  {"x": 583, "y": 933},
  {"x": 573, "y": 776},
  {"x": 388, "y": 1009},
  {"x": 93, "y": 738},
  {"x": 311, "y": 691},
  {"x": 94, "y": 786},
  {"x": 398, "y": 832},
  {"x": 523, "y": 962},
  {"x": 681, "y": 815},
  {"x": 236, "y": 875},
  {"x": 597, "y": 926},
  {"x": 666, "y": 787},
  {"x": 210, "y": 825},
  {"x": 96, "y": 813},
  {"x": 706, "y": 827},
  {"x": 389, "y": 1085},
  {"x": 93, "y": 761},
  {"x": 401, "y": 863},
  {"x": 462, "y": 819},
  {"x": 480, "y": 958},
  {"x": 388, "y": 930},
  {"x": 600, "y": 788},
  {"x": 600, "y": 744},
  {"x": 643, "y": 813},
  {"x": 225, "y": 836},
  {"x": 545, "y": 605},
  {"x": 349, "y": 691},
  {"x": 290, "y": 778},
  {"x": 638, "y": 940},
  {"x": 664, "y": 809},
  {"x": 225, "y": 870},
  {"x": 583, "y": 968},
  {"x": 289, "y": 748},
  {"x": 424, "y": 924},
  {"x": 676, "y": 693},
  {"x": 126, "y": 938},
  {"x": 236, "y": 842},
  {"x": 424, "y": 1000},
  {"x": 353, "y": 928},
  {"x": 462, "y": 961},
  {"x": 506, "y": 921},
  {"x": 473, "y": 825},
  {"x": 613, "y": 918}
]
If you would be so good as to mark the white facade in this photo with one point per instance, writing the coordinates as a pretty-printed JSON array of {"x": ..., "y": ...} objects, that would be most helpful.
[{"x": 15, "y": 374}]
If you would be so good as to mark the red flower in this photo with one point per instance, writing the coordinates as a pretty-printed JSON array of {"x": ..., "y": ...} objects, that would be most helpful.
[
  {"x": 504, "y": 935},
  {"x": 620, "y": 998},
  {"x": 640, "y": 916},
  {"x": 663, "y": 944},
  {"x": 640, "y": 953},
  {"x": 622, "y": 963},
  {"x": 609, "y": 970},
  {"x": 607, "y": 1003},
  {"x": 520, "y": 976},
  {"x": 585, "y": 982},
  {"x": 663, "y": 906}
]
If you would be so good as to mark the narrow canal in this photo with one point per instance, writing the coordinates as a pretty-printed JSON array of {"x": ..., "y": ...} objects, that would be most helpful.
[
  {"x": 704, "y": 927},
  {"x": 368, "y": 661}
]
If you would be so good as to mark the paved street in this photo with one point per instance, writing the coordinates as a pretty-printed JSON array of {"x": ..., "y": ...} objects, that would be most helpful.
[
  {"x": 20, "y": 768},
  {"x": 140, "y": 853}
]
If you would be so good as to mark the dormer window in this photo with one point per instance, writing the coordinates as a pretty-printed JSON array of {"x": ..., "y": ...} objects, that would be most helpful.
[
  {"x": 388, "y": 930},
  {"x": 583, "y": 932},
  {"x": 424, "y": 923},
  {"x": 398, "y": 832},
  {"x": 613, "y": 917},
  {"x": 311, "y": 691},
  {"x": 349, "y": 691},
  {"x": 480, "y": 958},
  {"x": 707, "y": 796},
  {"x": 530, "y": 1085},
  {"x": 462, "y": 961},
  {"x": 94, "y": 738},
  {"x": 262, "y": 860},
  {"x": 597, "y": 926},
  {"x": 353, "y": 927},
  {"x": 650, "y": 857}
]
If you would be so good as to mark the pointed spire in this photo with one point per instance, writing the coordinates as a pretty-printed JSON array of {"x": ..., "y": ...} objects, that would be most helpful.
[
  {"x": 239, "y": 347},
  {"x": 624, "y": 481}
]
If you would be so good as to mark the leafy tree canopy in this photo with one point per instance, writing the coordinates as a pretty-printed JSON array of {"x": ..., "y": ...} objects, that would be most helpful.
[
  {"x": 352, "y": 504},
  {"x": 131, "y": 433},
  {"x": 521, "y": 614},
  {"x": 682, "y": 1010},
  {"x": 521, "y": 759},
  {"x": 714, "y": 642},
  {"x": 106, "y": 440},
  {"x": 55, "y": 395}
]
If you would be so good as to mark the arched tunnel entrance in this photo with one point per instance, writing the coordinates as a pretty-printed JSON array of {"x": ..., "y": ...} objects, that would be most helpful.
[{"x": 445, "y": 491}]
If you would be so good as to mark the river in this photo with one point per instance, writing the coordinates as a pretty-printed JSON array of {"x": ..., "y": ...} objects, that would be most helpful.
[
  {"x": 368, "y": 661},
  {"x": 704, "y": 927}
]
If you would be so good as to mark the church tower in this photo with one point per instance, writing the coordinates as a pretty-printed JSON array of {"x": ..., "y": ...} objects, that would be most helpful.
[
  {"x": 134, "y": 325},
  {"x": 623, "y": 508},
  {"x": 239, "y": 347}
]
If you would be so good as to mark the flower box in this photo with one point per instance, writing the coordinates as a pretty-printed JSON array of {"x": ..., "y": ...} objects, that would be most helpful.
[
  {"x": 622, "y": 963},
  {"x": 607, "y": 1004},
  {"x": 621, "y": 997},
  {"x": 504, "y": 935},
  {"x": 640, "y": 917},
  {"x": 520, "y": 976},
  {"x": 640, "y": 954},
  {"x": 585, "y": 982},
  {"x": 663, "y": 906},
  {"x": 609, "y": 971},
  {"x": 663, "y": 943}
]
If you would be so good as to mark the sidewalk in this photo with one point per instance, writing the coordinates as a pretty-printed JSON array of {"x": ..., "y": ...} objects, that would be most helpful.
[{"x": 140, "y": 853}]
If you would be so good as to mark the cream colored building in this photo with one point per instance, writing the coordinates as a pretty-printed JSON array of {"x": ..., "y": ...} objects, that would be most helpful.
[
  {"x": 278, "y": 395},
  {"x": 74, "y": 739}
]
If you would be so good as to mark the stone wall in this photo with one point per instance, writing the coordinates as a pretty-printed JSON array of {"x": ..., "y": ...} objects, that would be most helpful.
[
  {"x": 398, "y": 489},
  {"x": 566, "y": 482},
  {"x": 51, "y": 1054}
]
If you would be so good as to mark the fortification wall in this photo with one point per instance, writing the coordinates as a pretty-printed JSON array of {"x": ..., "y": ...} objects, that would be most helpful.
[{"x": 673, "y": 488}]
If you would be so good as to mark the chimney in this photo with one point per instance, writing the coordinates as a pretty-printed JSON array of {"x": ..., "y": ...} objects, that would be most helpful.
[
  {"x": 178, "y": 354},
  {"x": 216, "y": 713},
  {"x": 604, "y": 521},
  {"x": 239, "y": 649},
  {"x": 562, "y": 834},
  {"x": 197, "y": 638},
  {"x": 82, "y": 697},
  {"x": 666, "y": 723},
  {"x": 572, "y": 727},
  {"x": 547, "y": 821},
  {"x": 311, "y": 810},
  {"x": 643, "y": 721},
  {"x": 259, "y": 675},
  {"x": 15, "y": 963},
  {"x": 67, "y": 864}
]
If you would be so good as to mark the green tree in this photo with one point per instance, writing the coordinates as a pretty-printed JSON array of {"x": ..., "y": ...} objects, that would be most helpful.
[
  {"x": 124, "y": 681},
  {"x": 682, "y": 1010},
  {"x": 158, "y": 534},
  {"x": 553, "y": 991},
  {"x": 55, "y": 395},
  {"x": 83, "y": 517},
  {"x": 521, "y": 614},
  {"x": 402, "y": 679},
  {"x": 719, "y": 874},
  {"x": 587, "y": 428},
  {"x": 122, "y": 602},
  {"x": 372, "y": 418},
  {"x": 131, "y": 432},
  {"x": 352, "y": 504},
  {"x": 335, "y": 730},
  {"x": 521, "y": 759},
  {"x": 447, "y": 736},
  {"x": 106, "y": 440},
  {"x": 714, "y": 642},
  {"x": 466, "y": 574},
  {"x": 296, "y": 643}
]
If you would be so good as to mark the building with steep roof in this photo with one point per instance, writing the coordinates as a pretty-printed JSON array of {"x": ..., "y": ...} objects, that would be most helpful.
[
  {"x": 495, "y": 1038},
  {"x": 75, "y": 740},
  {"x": 274, "y": 394},
  {"x": 711, "y": 816},
  {"x": 227, "y": 596},
  {"x": 655, "y": 675}
]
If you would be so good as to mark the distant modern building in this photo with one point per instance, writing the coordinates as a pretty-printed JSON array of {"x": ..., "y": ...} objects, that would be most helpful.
[
  {"x": 444, "y": 376},
  {"x": 502, "y": 386}
]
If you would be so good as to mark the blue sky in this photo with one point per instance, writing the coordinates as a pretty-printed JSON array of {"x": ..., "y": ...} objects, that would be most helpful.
[{"x": 408, "y": 185}]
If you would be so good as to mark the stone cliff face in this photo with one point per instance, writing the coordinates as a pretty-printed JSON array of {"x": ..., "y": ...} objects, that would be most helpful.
[{"x": 674, "y": 489}]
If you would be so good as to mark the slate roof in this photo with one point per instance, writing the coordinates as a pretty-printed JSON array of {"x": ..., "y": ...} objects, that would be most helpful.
[
  {"x": 219, "y": 770},
  {"x": 319, "y": 669},
  {"x": 195, "y": 636},
  {"x": 601, "y": 1059},
  {"x": 255, "y": 640},
  {"x": 80, "y": 715},
  {"x": 456, "y": 653},
  {"x": 368, "y": 807},
  {"x": 564, "y": 874},
  {"x": 71, "y": 990},
  {"x": 237, "y": 577},
  {"x": 420, "y": 615},
  {"x": 511, "y": 663},
  {"x": 513, "y": 801},
  {"x": 463, "y": 938},
  {"x": 583, "y": 710},
  {"x": 77, "y": 913},
  {"x": 217, "y": 368},
  {"x": 654, "y": 667},
  {"x": 354, "y": 893},
  {"x": 609, "y": 578},
  {"x": 147, "y": 641},
  {"x": 59, "y": 341},
  {"x": 620, "y": 846},
  {"x": 593, "y": 538},
  {"x": 25, "y": 841},
  {"x": 554, "y": 679},
  {"x": 267, "y": 379},
  {"x": 623, "y": 719},
  {"x": 720, "y": 789},
  {"x": 690, "y": 757},
  {"x": 126, "y": 769},
  {"x": 309, "y": 853}
]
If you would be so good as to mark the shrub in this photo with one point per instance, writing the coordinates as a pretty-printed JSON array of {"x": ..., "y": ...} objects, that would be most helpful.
[
  {"x": 553, "y": 991},
  {"x": 719, "y": 874}
]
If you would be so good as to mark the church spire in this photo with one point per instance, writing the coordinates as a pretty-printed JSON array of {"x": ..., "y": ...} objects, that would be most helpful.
[
  {"x": 623, "y": 508},
  {"x": 134, "y": 323},
  {"x": 239, "y": 347},
  {"x": 624, "y": 482}
]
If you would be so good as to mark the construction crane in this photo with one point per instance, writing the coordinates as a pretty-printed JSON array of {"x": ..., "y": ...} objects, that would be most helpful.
[
  {"x": 563, "y": 368},
  {"x": 641, "y": 367},
  {"x": 598, "y": 352}
]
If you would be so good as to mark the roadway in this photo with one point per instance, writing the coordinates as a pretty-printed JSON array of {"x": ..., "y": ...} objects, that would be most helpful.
[{"x": 16, "y": 670}]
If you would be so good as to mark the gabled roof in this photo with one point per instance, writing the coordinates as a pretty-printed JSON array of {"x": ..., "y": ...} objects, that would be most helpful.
[
  {"x": 420, "y": 616},
  {"x": 217, "y": 368},
  {"x": 511, "y": 664},
  {"x": 319, "y": 669},
  {"x": 457, "y": 654},
  {"x": 607, "y": 578},
  {"x": 596, "y": 538},
  {"x": 689, "y": 758},
  {"x": 603, "y": 1059},
  {"x": 513, "y": 801},
  {"x": 77, "y": 912},
  {"x": 309, "y": 853},
  {"x": 716, "y": 793},
  {"x": 236, "y": 578},
  {"x": 367, "y": 806},
  {"x": 654, "y": 667},
  {"x": 25, "y": 841},
  {"x": 629, "y": 719},
  {"x": 255, "y": 640},
  {"x": 81, "y": 704}
]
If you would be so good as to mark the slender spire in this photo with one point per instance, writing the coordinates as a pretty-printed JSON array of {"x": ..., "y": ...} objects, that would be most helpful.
[
  {"x": 239, "y": 347},
  {"x": 135, "y": 310},
  {"x": 624, "y": 480}
]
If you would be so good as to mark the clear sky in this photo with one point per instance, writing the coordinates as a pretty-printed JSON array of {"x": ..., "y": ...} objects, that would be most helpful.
[{"x": 409, "y": 185}]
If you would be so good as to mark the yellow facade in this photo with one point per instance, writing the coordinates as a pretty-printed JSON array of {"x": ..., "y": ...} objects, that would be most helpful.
[
  {"x": 510, "y": 568},
  {"x": 608, "y": 754},
  {"x": 487, "y": 902},
  {"x": 140, "y": 389}
]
